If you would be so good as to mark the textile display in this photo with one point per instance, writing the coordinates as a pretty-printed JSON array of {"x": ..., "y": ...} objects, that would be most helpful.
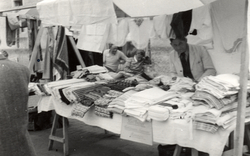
[{"x": 61, "y": 54}]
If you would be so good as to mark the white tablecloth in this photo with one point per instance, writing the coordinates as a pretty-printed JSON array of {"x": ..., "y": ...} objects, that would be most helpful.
[{"x": 169, "y": 132}]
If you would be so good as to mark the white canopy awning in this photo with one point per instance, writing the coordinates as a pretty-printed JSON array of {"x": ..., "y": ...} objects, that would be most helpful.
[{"x": 139, "y": 8}]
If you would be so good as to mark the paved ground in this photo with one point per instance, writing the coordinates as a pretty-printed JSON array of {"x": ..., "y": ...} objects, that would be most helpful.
[{"x": 87, "y": 140}]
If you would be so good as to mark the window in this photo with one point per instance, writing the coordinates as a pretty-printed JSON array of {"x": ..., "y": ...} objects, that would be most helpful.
[{"x": 18, "y": 3}]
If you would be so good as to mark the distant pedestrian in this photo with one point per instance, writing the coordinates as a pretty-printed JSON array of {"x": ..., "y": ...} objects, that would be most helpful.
[{"x": 14, "y": 137}]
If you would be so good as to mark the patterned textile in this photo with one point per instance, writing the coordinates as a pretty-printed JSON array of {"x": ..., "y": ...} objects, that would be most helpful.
[
  {"x": 119, "y": 85},
  {"x": 102, "y": 102},
  {"x": 211, "y": 100},
  {"x": 103, "y": 112},
  {"x": 205, "y": 126},
  {"x": 80, "y": 110},
  {"x": 61, "y": 54},
  {"x": 220, "y": 86}
]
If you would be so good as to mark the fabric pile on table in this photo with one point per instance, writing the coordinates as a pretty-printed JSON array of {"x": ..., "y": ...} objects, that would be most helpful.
[
  {"x": 117, "y": 105},
  {"x": 101, "y": 104},
  {"x": 216, "y": 106},
  {"x": 120, "y": 85},
  {"x": 137, "y": 105}
]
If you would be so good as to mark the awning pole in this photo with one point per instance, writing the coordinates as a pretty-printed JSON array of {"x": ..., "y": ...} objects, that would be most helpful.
[
  {"x": 242, "y": 97},
  {"x": 18, "y": 8}
]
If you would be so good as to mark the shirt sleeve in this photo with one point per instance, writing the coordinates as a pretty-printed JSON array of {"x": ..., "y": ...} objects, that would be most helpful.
[
  {"x": 104, "y": 56},
  {"x": 123, "y": 56},
  {"x": 127, "y": 65},
  {"x": 207, "y": 63}
]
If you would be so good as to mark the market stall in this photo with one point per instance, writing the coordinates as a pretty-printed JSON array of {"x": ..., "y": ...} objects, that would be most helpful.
[{"x": 162, "y": 131}]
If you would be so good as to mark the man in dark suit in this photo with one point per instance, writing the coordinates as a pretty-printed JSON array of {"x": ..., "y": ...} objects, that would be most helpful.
[{"x": 191, "y": 61}]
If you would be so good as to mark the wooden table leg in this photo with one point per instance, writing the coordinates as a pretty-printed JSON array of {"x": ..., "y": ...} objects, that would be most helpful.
[
  {"x": 65, "y": 136},
  {"x": 177, "y": 150},
  {"x": 53, "y": 131},
  {"x": 63, "y": 139},
  {"x": 194, "y": 152}
]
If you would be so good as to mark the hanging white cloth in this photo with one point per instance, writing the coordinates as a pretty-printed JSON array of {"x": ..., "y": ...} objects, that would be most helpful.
[
  {"x": 139, "y": 8},
  {"x": 93, "y": 37},
  {"x": 118, "y": 32},
  {"x": 201, "y": 21},
  {"x": 76, "y": 12},
  {"x": 140, "y": 35},
  {"x": 229, "y": 20},
  {"x": 162, "y": 26}
]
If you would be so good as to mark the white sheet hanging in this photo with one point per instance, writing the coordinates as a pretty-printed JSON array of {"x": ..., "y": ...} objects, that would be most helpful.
[
  {"x": 201, "y": 21},
  {"x": 76, "y": 12},
  {"x": 93, "y": 37},
  {"x": 162, "y": 26},
  {"x": 139, "y": 35},
  {"x": 229, "y": 20},
  {"x": 144, "y": 8},
  {"x": 118, "y": 32}
]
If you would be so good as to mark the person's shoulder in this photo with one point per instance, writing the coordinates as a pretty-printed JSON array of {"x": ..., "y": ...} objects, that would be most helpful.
[
  {"x": 105, "y": 51},
  {"x": 15, "y": 66},
  {"x": 196, "y": 46}
]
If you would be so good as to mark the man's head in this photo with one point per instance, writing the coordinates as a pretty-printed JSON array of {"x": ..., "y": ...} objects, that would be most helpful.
[
  {"x": 179, "y": 44},
  {"x": 113, "y": 49},
  {"x": 140, "y": 54}
]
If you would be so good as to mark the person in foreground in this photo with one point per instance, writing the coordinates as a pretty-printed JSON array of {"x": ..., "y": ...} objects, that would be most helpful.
[
  {"x": 14, "y": 137},
  {"x": 134, "y": 65},
  {"x": 191, "y": 61},
  {"x": 112, "y": 58}
]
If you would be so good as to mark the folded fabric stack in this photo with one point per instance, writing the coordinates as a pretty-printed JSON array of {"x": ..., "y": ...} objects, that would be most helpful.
[
  {"x": 212, "y": 101},
  {"x": 58, "y": 92},
  {"x": 158, "y": 112},
  {"x": 95, "y": 69},
  {"x": 120, "y": 85},
  {"x": 118, "y": 104},
  {"x": 212, "y": 128},
  {"x": 73, "y": 92},
  {"x": 218, "y": 96},
  {"x": 229, "y": 114},
  {"x": 101, "y": 104},
  {"x": 48, "y": 87},
  {"x": 79, "y": 110},
  {"x": 138, "y": 104},
  {"x": 220, "y": 86}
]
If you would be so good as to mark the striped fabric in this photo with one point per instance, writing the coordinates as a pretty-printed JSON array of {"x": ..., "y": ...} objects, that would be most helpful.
[
  {"x": 79, "y": 110},
  {"x": 212, "y": 128}
]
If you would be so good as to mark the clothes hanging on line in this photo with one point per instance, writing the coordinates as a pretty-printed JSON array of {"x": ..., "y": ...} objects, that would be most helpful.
[
  {"x": 162, "y": 26},
  {"x": 140, "y": 35},
  {"x": 118, "y": 32},
  {"x": 93, "y": 37},
  {"x": 229, "y": 21},
  {"x": 201, "y": 32}
]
